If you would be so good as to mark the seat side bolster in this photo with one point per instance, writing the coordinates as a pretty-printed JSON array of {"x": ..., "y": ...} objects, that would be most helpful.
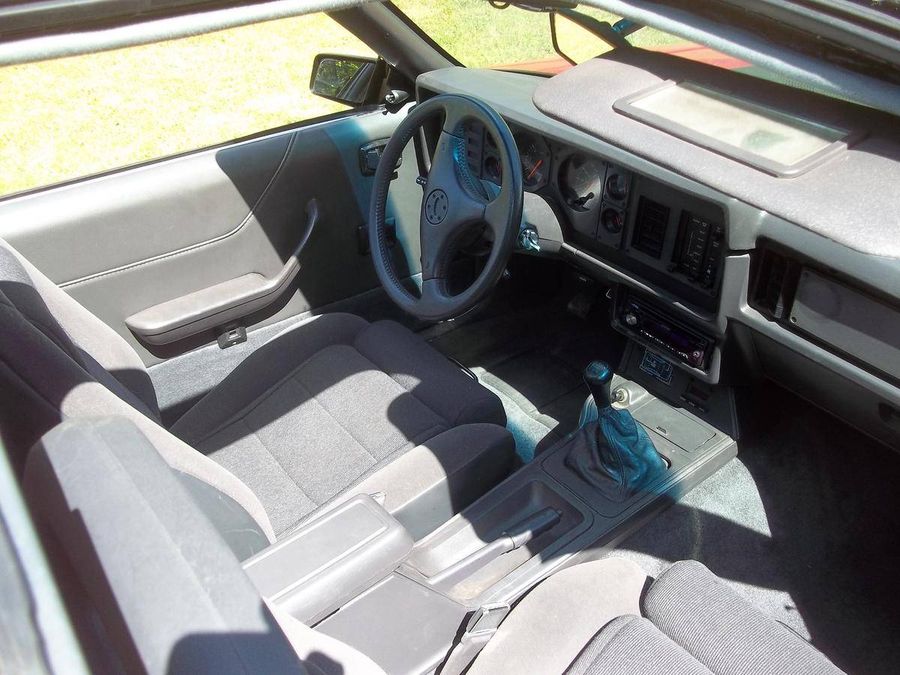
[
  {"x": 551, "y": 625},
  {"x": 722, "y": 630},
  {"x": 169, "y": 593}
]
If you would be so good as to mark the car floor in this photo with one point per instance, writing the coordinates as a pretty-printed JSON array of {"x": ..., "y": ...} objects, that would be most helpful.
[
  {"x": 804, "y": 522},
  {"x": 532, "y": 357}
]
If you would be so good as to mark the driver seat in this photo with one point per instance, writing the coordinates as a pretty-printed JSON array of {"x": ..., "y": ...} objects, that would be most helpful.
[{"x": 329, "y": 403}]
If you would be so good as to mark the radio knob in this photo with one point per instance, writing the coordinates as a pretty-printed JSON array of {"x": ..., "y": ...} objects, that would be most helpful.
[
  {"x": 631, "y": 319},
  {"x": 696, "y": 358}
]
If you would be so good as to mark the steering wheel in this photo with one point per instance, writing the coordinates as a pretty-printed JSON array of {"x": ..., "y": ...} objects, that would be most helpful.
[{"x": 452, "y": 205}]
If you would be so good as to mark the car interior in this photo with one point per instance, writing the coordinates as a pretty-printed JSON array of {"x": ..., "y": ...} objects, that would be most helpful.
[{"x": 494, "y": 372}]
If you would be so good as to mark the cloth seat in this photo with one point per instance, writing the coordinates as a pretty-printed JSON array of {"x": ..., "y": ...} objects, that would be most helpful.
[
  {"x": 607, "y": 616},
  {"x": 140, "y": 536},
  {"x": 319, "y": 408},
  {"x": 326, "y": 403}
]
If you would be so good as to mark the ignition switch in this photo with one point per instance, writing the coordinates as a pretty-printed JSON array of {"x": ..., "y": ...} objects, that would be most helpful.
[{"x": 529, "y": 240}]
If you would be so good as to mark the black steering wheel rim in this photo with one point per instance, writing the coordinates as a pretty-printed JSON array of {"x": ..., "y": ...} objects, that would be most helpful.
[{"x": 449, "y": 207}]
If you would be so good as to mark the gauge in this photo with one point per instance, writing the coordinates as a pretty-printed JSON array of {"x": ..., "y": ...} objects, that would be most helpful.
[
  {"x": 617, "y": 186},
  {"x": 613, "y": 220},
  {"x": 535, "y": 155},
  {"x": 581, "y": 181},
  {"x": 492, "y": 169}
]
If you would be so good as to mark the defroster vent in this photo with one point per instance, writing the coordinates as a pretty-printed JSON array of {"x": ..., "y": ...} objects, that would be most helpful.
[{"x": 650, "y": 227}]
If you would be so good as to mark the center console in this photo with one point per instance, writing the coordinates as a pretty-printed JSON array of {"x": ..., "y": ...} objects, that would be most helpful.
[{"x": 406, "y": 604}]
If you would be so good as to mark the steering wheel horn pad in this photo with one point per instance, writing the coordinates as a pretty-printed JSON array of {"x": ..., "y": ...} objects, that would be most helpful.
[{"x": 449, "y": 207}]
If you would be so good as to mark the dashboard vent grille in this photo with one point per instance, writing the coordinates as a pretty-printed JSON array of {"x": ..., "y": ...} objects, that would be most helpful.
[
  {"x": 650, "y": 227},
  {"x": 774, "y": 285}
]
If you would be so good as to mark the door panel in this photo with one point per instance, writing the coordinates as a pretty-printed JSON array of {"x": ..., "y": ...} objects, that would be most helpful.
[{"x": 127, "y": 241}]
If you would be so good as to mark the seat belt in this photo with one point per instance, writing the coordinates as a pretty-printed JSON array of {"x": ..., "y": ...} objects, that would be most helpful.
[{"x": 481, "y": 627}]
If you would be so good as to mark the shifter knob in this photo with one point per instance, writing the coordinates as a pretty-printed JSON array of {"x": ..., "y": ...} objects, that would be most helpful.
[{"x": 598, "y": 377}]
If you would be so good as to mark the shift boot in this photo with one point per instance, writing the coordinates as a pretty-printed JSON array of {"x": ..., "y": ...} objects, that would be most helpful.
[{"x": 614, "y": 454}]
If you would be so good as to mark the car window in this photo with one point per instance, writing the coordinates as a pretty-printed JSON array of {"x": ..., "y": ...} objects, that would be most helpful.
[
  {"x": 75, "y": 116},
  {"x": 479, "y": 35}
]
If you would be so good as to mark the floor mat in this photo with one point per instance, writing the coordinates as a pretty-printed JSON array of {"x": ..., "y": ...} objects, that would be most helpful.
[
  {"x": 804, "y": 522},
  {"x": 533, "y": 360}
]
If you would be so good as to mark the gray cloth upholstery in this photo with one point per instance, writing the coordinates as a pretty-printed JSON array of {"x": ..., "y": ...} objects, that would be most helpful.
[
  {"x": 306, "y": 416},
  {"x": 154, "y": 587},
  {"x": 552, "y": 624},
  {"x": 631, "y": 644},
  {"x": 600, "y": 617},
  {"x": 160, "y": 590},
  {"x": 328, "y": 402},
  {"x": 47, "y": 378},
  {"x": 722, "y": 630}
]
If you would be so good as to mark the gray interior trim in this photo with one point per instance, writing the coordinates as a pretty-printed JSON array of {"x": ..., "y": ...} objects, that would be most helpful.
[
  {"x": 836, "y": 199},
  {"x": 141, "y": 32},
  {"x": 331, "y": 559},
  {"x": 221, "y": 303}
]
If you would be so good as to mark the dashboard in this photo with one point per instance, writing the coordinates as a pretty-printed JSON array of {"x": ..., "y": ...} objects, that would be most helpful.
[{"x": 717, "y": 262}]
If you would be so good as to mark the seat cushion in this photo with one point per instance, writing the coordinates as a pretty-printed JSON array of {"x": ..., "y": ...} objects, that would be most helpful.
[
  {"x": 595, "y": 618},
  {"x": 723, "y": 631},
  {"x": 552, "y": 624},
  {"x": 326, "y": 403},
  {"x": 632, "y": 644}
]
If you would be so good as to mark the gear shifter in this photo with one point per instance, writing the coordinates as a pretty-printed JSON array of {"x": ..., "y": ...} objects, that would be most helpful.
[
  {"x": 614, "y": 454},
  {"x": 598, "y": 377}
]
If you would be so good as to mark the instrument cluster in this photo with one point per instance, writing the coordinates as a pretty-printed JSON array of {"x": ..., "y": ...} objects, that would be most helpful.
[{"x": 658, "y": 232}]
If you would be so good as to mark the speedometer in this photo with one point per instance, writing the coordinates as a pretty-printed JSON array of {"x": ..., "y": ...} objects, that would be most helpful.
[
  {"x": 581, "y": 181},
  {"x": 535, "y": 155}
]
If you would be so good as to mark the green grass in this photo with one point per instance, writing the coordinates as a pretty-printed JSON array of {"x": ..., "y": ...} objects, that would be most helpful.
[{"x": 81, "y": 115}]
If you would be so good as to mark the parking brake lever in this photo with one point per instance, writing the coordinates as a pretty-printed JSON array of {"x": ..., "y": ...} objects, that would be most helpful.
[{"x": 515, "y": 537}]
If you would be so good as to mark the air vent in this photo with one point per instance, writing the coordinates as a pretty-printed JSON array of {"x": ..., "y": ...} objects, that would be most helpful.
[
  {"x": 774, "y": 285},
  {"x": 650, "y": 227}
]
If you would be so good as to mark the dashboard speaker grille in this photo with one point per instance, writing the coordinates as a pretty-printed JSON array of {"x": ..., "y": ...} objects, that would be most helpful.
[{"x": 650, "y": 227}]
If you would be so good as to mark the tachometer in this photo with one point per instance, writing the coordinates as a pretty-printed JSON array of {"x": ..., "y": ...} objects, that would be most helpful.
[
  {"x": 581, "y": 181},
  {"x": 535, "y": 154}
]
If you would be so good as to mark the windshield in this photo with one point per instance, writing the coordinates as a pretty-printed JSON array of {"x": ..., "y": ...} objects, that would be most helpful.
[{"x": 482, "y": 34}]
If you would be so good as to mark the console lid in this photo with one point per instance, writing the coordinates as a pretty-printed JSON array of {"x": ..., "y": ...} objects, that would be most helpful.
[{"x": 331, "y": 559}]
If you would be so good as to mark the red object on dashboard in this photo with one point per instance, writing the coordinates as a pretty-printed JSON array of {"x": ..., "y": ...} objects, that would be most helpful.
[{"x": 693, "y": 52}]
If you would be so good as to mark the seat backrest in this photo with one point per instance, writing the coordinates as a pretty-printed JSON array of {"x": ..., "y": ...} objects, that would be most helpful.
[
  {"x": 58, "y": 361},
  {"x": 150, "y": 584},
  {"x": 82, "y": 336}
]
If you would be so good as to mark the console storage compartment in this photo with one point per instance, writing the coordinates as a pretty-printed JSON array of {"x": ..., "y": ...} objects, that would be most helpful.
[{"x": 331, "y": 559}]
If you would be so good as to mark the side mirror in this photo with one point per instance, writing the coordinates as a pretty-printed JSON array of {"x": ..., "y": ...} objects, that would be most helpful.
[{"x": 351, "y": 80}]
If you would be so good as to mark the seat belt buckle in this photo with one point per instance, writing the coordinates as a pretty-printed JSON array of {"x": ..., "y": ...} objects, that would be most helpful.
[
  {"x": 480, "y": 628},
  {"x": 486, "y": 619}
]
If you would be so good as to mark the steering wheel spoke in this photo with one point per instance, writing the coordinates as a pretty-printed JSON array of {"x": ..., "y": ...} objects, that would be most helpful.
[
  {"x": 450, "y": 207},
  {"x": 496, "y": 214}
]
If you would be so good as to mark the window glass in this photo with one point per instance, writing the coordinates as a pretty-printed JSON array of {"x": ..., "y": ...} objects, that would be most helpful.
[
  {"x": 71, "y": 117},
  {"x": 479, "y": 35}
]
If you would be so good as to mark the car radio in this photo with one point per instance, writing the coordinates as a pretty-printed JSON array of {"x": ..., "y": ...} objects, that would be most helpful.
[{"x": 653, "y": 326}]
